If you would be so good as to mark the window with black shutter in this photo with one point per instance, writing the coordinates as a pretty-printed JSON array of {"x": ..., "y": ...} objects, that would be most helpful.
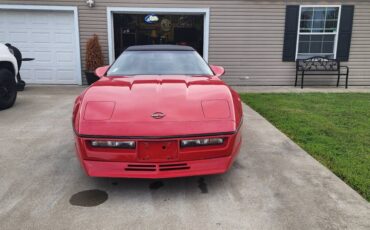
[{"x": 319, "y": 31}]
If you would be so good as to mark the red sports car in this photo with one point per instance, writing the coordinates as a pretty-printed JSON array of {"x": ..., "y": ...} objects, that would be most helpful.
[{"x": 158, "y": 111}]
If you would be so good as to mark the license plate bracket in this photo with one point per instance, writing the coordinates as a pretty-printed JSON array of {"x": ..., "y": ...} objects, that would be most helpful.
[{"x": 158, "y": 150}]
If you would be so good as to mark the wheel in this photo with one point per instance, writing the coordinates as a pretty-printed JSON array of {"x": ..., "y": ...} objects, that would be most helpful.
[{"x": 8, "y": 89}]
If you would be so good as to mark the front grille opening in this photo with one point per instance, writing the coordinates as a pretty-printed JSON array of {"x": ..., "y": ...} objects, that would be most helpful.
[
  {"x": 143, "y": 166},
  {"x": 152, "y": 167},
  {"x": 140, "y": 167},
  {"x": 172, "y": 167}
]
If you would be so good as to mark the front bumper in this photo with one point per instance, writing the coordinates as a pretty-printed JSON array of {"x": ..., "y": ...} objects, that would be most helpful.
[
  {"x": 156, "y": 170},
  {"x": 108, "y": 163}
]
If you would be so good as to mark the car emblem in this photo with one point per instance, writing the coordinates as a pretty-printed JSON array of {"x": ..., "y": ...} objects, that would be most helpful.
[{"x": 158, "y": 115}]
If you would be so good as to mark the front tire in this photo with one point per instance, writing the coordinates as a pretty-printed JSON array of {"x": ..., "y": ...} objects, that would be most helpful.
[{"x": 8, "y": 89}]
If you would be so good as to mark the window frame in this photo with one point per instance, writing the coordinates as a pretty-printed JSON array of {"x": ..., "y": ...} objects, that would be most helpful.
[{"x": 319, "y": 33}]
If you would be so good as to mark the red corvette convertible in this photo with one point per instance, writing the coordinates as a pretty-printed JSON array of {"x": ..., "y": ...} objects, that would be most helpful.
[{"x": 158, "y": 111}]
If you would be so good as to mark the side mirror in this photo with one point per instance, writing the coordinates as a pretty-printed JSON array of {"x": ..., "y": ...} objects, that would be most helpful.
[
  {"x": 218, "y": 70},
  {"x": 101, "y": 71}
]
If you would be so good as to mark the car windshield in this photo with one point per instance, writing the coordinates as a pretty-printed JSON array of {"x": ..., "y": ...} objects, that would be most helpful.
[{"x": 159, "y": 63}]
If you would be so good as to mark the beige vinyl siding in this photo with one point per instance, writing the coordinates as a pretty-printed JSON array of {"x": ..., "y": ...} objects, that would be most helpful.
[{"x": 246, "y": 36}]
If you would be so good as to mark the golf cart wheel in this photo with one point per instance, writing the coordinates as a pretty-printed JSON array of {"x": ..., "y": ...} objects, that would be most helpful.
[{"x": 8, "y": 89}]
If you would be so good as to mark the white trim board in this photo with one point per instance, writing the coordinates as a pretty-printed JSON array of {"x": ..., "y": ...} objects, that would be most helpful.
[
  {"x": 199, "y": 11},
  {"x": 74, "y": 9}
]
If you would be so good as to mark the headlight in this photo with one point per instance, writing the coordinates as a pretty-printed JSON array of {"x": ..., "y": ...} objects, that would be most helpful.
[
  {"x": 114, "y": 144},
  {"x": 202, "y": 142}
]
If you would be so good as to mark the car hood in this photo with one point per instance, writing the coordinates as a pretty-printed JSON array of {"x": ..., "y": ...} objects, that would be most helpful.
[{"x": 125, "y": 106}]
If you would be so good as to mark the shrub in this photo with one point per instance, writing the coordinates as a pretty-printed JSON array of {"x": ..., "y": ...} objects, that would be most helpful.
[{"x": 94, "y": 55}]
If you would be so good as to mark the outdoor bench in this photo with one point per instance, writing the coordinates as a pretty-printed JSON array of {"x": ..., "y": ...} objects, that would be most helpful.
[{"x": 320, "y": 66}]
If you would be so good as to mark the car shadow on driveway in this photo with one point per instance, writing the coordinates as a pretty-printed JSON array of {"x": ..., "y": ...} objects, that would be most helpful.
[
  {"x": 121, "y": 190},
  {"x": 160, "y": 190}
]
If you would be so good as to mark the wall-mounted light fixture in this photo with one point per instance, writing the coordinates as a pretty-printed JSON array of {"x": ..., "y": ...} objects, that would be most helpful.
[{"x": 90, "y": 3}]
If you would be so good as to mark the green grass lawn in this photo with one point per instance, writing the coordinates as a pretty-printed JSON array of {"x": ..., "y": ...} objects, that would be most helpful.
[{"x": 334, "y": 128}]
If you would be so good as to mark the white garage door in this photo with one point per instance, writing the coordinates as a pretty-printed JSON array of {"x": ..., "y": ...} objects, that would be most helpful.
[{"x": 47, "y": 36}]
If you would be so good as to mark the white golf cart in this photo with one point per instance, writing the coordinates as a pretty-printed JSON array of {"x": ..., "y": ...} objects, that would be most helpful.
[
  {"x": 10, "y": 79},
  {"x": 8, "y": 73}
]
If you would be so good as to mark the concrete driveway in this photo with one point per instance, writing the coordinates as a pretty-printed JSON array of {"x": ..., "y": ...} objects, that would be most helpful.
[{"x": 273, "y": 184}]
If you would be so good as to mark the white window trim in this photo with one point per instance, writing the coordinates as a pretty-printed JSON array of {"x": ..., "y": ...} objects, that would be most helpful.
[
  {"x": 327, "y": 33},
  {"x": 199, "y": 11},
  {"x": 75, "y": 19}
]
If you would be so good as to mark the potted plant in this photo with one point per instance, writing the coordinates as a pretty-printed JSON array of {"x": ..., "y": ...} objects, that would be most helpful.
[{"x": 94, "y": 59}]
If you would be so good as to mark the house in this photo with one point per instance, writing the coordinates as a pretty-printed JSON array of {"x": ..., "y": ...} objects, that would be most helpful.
[{"x": 256, "y": 41}]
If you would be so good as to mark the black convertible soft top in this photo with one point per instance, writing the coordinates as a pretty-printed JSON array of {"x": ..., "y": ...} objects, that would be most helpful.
[{"x": 160, "y": 48}]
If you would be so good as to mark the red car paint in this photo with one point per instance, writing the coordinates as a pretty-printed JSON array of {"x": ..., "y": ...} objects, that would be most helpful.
[{"x": 121, "y": 108}]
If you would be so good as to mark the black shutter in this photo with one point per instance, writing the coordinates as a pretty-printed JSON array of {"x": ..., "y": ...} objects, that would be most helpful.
[
  {"x": 345, "y": 32},
  {"x": 290, "y": 36}
]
